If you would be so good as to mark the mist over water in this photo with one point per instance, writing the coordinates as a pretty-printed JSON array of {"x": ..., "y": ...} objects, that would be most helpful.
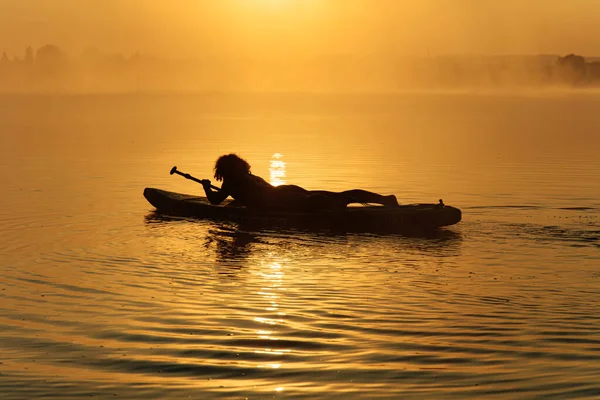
[
  {"x": 49, "y": 69},
  {"x": 100, "y": 296},
  {"x": 295, "y": 45}
]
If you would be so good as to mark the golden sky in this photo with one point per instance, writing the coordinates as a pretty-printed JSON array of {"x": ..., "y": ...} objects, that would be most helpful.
[{"x": 193, "y": 28}]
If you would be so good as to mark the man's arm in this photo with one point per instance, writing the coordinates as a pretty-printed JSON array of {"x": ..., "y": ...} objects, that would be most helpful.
[{"x": 214, "y": 196}]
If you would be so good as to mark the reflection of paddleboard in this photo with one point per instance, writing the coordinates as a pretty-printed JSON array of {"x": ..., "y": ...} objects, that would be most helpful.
[{"x": 363, "y": 219}]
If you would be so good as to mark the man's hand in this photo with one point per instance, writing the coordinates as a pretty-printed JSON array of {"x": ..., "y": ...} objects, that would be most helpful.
[{"x": 205, "y": 184}]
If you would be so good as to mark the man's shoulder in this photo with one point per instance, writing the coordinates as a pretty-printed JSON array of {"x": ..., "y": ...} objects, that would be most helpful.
[{"x": 258, "y": 179}]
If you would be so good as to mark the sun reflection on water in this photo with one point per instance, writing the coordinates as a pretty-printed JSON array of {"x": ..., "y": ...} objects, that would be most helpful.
[
  {"x": 277, "y": 170},
  {"x": 273, "y": 276}
]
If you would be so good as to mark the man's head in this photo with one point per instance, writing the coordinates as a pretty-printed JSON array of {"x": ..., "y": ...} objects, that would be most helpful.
[{"x": 229, "y": 166}]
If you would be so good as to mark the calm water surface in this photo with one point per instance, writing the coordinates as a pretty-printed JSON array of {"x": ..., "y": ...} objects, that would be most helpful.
[{"x": 99, "y": 296}]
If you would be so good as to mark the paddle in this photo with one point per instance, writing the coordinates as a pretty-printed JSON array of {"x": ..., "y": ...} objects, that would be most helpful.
[{"x": 188, "y": 176}]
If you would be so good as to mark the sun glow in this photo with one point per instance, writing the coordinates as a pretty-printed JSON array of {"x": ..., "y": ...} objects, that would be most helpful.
[{"x": 272, "y": 3}]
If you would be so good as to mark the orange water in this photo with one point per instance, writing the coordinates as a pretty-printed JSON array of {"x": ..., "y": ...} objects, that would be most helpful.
[{"x": 100, "y": 296}]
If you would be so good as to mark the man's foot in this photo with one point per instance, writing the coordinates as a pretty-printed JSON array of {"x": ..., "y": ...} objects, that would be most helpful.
[{"x": 391, "y": 201}]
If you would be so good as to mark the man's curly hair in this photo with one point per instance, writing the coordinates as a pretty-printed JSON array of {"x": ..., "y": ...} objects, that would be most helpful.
[{"x": 230, "y": 165}]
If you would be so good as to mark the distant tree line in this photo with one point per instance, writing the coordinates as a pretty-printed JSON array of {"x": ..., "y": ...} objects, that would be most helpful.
[
  {"x": 50, "y": 69},
  {"x": 575, "y": 70}
]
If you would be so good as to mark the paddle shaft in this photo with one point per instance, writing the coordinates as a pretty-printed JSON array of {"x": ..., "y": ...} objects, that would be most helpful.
[{"x": 188, "y": 176}]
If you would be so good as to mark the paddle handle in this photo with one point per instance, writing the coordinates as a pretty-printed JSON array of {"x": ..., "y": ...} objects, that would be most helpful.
[{"x": 188, "y": 176}]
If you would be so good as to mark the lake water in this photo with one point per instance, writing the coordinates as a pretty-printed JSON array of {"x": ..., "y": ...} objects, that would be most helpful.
[{"x": 99, "y": 296}]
